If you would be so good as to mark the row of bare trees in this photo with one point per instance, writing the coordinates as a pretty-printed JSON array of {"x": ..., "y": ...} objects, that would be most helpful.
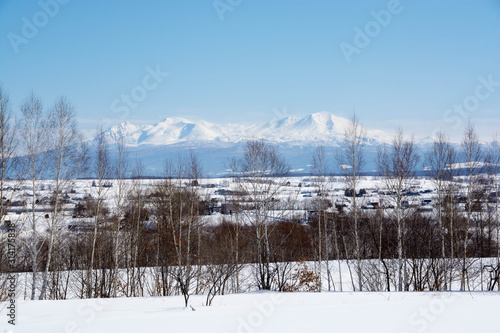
[
  {"x": 137, "y": 240},
  {"x": 465, "y": 211},
  {"x": 40, "y": 144}
]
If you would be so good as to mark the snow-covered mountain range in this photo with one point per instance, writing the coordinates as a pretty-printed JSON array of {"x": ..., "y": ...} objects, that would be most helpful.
[
  {"x": 318, "y": 127},
  {"x": 216, "y": 143}
]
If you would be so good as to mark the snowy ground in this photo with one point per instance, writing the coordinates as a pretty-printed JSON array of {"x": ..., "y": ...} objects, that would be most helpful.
[{"x": 266, "y": 312}]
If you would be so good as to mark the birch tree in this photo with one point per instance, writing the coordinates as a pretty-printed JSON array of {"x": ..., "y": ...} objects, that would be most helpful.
[
  {"x": 450, "y": 213},
  {"x": 194, "y": 174},
  {"x": 68, "y": 157},
  {"x": 260, "y": 173},
  {"x": 177, "y": 210},
  {"x": 138, "y": 213},
  {"x": 438, "y": 161},
  {"x": 493, "y": 164},
  {"x": 319, "y": 168},
  {"x": 8, "y": 146},
  {"x": 397, "y": 166},
  {"x": 36, "y": 145},
  {"x": 120, "y": 171},
  {"x": 351, "y": 162},
  {"x": 472, "y": 156},
  {"x": 102, "y": 172}
]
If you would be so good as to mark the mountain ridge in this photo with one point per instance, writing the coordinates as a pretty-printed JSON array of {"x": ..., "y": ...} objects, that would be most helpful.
[
  {"x": 215, "y": 144},
  {"x": 321, "y": 127}
]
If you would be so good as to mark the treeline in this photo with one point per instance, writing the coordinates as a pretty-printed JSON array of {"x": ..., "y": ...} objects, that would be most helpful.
[{"x": 155, "y": 240}]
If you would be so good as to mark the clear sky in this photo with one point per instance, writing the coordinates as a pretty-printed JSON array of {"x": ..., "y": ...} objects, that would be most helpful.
[{"x": 254, "y": 60}]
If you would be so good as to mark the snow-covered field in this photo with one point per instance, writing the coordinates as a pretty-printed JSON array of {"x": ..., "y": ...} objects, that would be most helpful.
[{"x": 266, "y": 312}]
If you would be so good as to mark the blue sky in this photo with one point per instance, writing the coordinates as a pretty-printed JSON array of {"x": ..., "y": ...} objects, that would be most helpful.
[{"x": 247, "y": 61}]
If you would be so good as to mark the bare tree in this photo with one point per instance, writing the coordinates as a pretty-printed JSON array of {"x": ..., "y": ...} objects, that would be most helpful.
[
  {"x": 438, "y": 161},
  {"x": 8, "y": 146},
  {"x": 351, "y": 162},
  {"x": 68, "y": 157},
  {"x": 450, "y": 207},
  {"x": 138, "y": 213},
  {"x": 259, "y": 174},
  {"x": 194, "y": 175},
  {"x": 236, "y": 214},
  {"x": 177, "y": 211},
  {"x": 120, "y": 171},
  {"x": 493, "y": 162},
  {"x": 102, "y": 171},
  {"x": 220, "y": 262},
  {"x": 397, "y": 165},
  {"x": 472, "y": 156},
  {"x": 36, "y": 145},
  {"x": 320, "y": 179}
]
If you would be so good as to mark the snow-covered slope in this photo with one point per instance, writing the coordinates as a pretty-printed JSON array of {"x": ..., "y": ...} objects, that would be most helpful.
[
  {"x": 168, "y": 131},
  {"x": 361, "y": 312},
  {"x": 318, "y": 127},
  {"x": 321, "y": 126}
]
